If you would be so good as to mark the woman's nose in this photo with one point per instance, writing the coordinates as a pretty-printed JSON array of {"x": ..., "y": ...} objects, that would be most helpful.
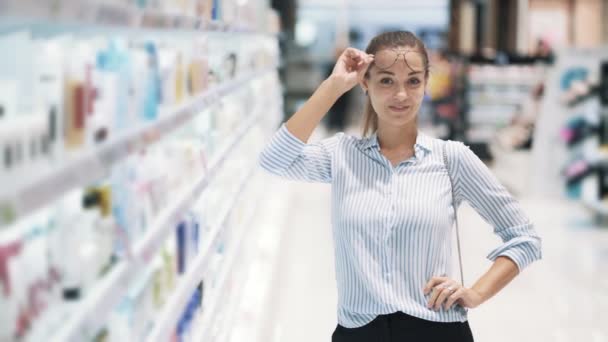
[{"x": 401, "y": 93}]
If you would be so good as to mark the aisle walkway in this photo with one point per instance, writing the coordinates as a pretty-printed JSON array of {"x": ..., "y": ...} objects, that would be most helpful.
[{"x": 564, "y": 297}]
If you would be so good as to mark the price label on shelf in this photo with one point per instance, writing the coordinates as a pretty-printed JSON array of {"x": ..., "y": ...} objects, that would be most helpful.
[
  {"x": 107, "y": 14},
  {"x": 152, "y": 20}
]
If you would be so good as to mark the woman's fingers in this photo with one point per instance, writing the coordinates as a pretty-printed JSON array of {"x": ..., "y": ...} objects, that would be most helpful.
[
  {"x": 355, "y": 55},
  {"x": 434, "y": 282},
  {"x": 458, "y": 294},
  {"x": 434, "y": 296},
  {"x": 443, "y": 294}
]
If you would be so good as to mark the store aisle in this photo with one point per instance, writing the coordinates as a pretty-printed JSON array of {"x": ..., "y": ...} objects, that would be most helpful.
[
  {"x": 307, "y": 288},
  {"x": 306, "y": 309},
  {"x": 557, "y": 299}
]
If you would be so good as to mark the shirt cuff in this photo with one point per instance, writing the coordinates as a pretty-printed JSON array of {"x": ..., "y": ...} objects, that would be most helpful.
[
  {"x": 523, "y": 250},
  {"x": 283, "y": 149}
]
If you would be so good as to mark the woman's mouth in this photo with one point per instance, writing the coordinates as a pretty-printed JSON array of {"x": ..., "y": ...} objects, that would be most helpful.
[{"x": 398, "y": 108}]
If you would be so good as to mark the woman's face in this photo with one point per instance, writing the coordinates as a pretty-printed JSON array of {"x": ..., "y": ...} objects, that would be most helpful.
[{"x": 396, "y": 85}]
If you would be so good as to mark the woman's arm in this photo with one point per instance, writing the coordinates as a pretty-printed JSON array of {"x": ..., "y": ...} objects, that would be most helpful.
[
  {"x": 307, "y": 118},
  {"x": 475, "y": 183},
  {"x": 521, "y": 245},
  {"x": 349, "y": 69},
  {"x": 287, "y": 154},
  {"x": 501, "y": 273}
]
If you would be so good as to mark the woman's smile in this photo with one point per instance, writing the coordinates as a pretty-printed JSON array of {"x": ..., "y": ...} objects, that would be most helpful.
[{"x": 399, "y": 108}]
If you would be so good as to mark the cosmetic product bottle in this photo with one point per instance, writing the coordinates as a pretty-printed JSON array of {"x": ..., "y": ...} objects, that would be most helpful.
[
  {"x": 8, "y": 97},
  {"x": 9, "y": 138},
  {"x": 153, "y": 83},
  {"x": 12, "y": 138},
  {"x": 180, "y": 78},
  {"x": 204, "y": 9},
  {"x": 169, "y": 258},
  {"x": 109, "y": 88},
  {"x": 105, "y": 229},
  {"x": 37, "y": 276},
  {"x": 216, "y": 11},
  {"x": 66, "y": 247},
  {"x": 181, "y": 237},
  {"x": 113, "y": 63},
  {"x": 167, "y": 61},
  {"x": 138, "y": 91},
  {"x": 158, "y": 290},
  {"x": 88, "y": 245},
  {"x": 11, "y": 286},
  {"x": 48, "y": 91},
  {"x": 80, "y": 94}
]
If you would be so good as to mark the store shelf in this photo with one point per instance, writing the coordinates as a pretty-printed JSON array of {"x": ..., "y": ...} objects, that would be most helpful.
[
  {"x": 167, "y": 320},
  {"x": 97, "y": 304},
  {"x": 498, "y": 82},
  {"x": 148, "y": 247},
  {"x": 99, "y": 13},
  {"x": 257, "y": 307},
  {"x": 94, "y": 164},
  {"x": 599, "y": 208},
  {"x": 231, "y": 310},
  {"x": 89, "y": 317},
  {"x": 210, "y": 309}
]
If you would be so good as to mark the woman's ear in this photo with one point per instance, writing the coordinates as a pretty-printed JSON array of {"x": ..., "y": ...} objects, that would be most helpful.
[{"x": 364, "y": 85}]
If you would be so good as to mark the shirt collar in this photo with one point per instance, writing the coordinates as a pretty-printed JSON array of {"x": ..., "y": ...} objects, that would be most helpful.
[{"x": 422, "y": 142}]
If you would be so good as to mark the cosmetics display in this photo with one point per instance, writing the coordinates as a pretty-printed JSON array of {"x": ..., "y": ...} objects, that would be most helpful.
[
  {"x": 127, "y": 171},
  {"x": 110, "y": 95},
  {"x": 495, "y": 94},
  {"x": 579, "y": 117},
  {"x": 229, "y": 15},
  {"x": 97, "y": 226},
  {"x": 578, "y": 129}
]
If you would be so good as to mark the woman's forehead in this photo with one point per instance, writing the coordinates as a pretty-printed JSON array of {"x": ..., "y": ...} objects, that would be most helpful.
[{"x": 405, "y": 59}]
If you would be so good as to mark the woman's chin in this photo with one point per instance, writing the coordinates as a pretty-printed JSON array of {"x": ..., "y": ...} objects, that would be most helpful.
[{"x": 400, "y": 119}]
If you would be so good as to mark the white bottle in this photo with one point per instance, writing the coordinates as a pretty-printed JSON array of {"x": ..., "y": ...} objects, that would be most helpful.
[{"x": 48, "y": 91}]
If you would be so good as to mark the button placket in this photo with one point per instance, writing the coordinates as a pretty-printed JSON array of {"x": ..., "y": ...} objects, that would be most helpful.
[{"x": 388, "y": 231}]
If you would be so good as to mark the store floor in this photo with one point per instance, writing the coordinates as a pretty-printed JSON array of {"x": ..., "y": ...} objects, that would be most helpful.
[{"x": 563, "y": 297}]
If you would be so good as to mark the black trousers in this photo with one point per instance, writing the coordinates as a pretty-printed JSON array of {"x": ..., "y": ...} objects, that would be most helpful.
[{"x": 401, "y": 327}]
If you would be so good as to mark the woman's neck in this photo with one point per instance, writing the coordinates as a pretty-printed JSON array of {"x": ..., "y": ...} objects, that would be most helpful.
[{"x": 395, "y": 138}]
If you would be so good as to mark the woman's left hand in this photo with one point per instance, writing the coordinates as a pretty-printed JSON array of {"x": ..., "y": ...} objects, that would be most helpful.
[{"x": 444, "y": 288}]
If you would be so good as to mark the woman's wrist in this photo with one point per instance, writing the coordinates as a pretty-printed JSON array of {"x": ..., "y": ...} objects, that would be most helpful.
[{"x": 334, "y": 86}]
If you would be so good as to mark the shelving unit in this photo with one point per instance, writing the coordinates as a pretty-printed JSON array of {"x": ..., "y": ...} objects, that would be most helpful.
[
  {"x": 69, "y": 13},
  {"x": 88, "y": 318},
  {"x": 210, "y": 308},
  {"x": 83, "y": 166},
  {"x": 92, "y": 165},
  {"x": 251, "y": 319},
  {"x": 169, "y": 316}
]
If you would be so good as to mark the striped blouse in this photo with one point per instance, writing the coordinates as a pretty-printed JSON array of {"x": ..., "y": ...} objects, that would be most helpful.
[{"x": 392, "y": 225}]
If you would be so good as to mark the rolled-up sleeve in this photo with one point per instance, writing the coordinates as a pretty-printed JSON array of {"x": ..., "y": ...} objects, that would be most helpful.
[
  {"x": 476, "y": 184},
  {"x": 288, "y": 157}
]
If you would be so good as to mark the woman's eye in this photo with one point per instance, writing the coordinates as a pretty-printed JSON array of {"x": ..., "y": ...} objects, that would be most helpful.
[
  {"x": 386, "y": 81},
  {"x": 414, "y": 81}
]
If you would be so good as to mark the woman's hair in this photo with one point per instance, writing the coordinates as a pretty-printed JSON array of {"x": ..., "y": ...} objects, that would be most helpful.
[{"x": 383, "y": 41}]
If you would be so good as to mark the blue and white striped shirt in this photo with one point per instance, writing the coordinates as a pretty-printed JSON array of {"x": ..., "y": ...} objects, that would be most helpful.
[{"x": 392, "y": 225}]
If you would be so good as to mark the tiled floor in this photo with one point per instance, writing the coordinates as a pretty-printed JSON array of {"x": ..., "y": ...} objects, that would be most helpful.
[{"x": 564, "y": 297}]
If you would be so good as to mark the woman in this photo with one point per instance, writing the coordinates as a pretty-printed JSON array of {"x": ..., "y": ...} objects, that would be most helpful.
[{"x": 392, "y": 205}]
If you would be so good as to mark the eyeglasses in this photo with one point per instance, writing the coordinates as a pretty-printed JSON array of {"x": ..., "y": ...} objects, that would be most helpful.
[{"x": 386, "y": 58}]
